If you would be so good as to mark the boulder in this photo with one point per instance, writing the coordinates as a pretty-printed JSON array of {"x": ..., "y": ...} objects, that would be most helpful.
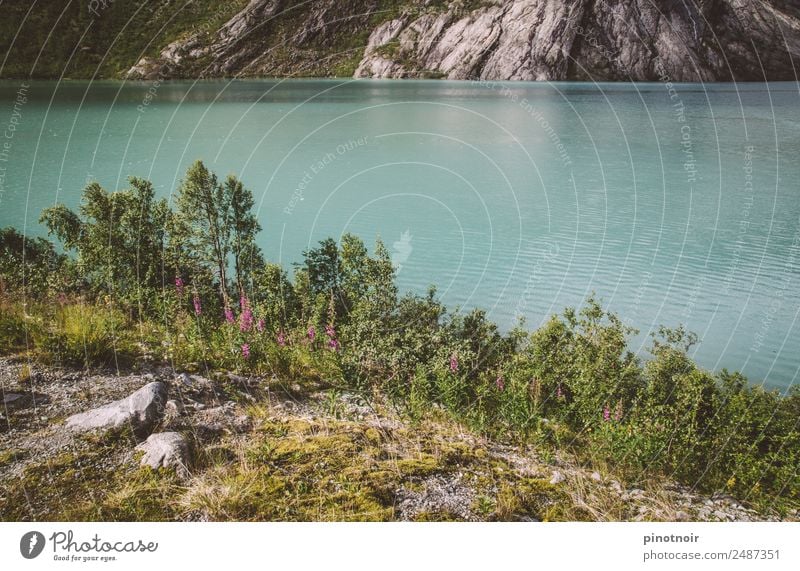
[
  {"x": 166, "y": 450},
  {"x": 141, "y": 410}
]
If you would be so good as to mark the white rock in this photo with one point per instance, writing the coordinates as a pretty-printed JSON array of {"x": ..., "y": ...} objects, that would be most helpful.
[
  {"x": 141, "y": 410},
  {"x": 557, "y": 478}
]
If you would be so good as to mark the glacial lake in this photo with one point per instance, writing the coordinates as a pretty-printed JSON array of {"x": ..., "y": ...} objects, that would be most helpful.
[{"x": 675, "y": 204}]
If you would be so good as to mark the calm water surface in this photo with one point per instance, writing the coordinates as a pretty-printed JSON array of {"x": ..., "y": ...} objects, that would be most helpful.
[{"x": 673, "y": 206}]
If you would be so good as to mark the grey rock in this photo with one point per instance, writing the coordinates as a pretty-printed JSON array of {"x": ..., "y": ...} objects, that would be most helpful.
[
  {"x": 641, "y": 40},
  {"x": 557, "y": 478},
  {"x": 596, "y": 476},
  {"x": 166, "y": 450},
  {"x": 9, "y": 398},
  {"x": 141, "y": 410}
]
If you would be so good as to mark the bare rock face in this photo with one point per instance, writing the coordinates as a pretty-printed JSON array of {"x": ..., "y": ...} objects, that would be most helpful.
[
  {"x": 166, "y": 450},
  {"x": 642, "y": 40},
  {"x": 695, "y": 40},
  {"x": 142, "y": 410}
]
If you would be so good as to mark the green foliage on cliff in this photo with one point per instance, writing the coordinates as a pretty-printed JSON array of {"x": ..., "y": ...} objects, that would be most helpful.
[{"x": 98, "y": 38}]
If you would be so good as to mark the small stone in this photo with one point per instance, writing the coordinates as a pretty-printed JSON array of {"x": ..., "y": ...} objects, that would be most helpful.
[
  {"x": 173, "y": 409},
  {"x": 596, "y": 476},
  {"x": 166, "y": 450},
  {"x": 557, "y": 478},
  {"x": 681, "y": 516}
]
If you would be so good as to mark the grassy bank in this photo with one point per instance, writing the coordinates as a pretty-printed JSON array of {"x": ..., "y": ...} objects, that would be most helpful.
[{"x": 143, "y": 282}]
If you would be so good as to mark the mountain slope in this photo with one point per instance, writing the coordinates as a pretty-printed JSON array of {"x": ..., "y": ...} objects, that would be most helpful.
[{"x": 682, "y": 40}]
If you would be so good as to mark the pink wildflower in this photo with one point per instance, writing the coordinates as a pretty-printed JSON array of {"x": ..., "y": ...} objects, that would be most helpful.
[
  {"x": 559, "y": 392},
  {"x": 246, "y": 320},
  {"x": 330, "y": 331},
  {"x": 179, "y": 285},
  {"x": 333, "y": 344},
  {"x": 260, "y": 325},
  {"x": 281, "y": 339},
  {"x": 606, "y": 413},
  {"x": 312, "y": 333},
  {"x": 198, "y": 309},
  {"x": 618, "y": 412},
  {"x": 229, "y": 315},
  {"x": 453, "y": 363},
  {"x": 500, "y": 383},
  {"x": 246, "y": 350}
]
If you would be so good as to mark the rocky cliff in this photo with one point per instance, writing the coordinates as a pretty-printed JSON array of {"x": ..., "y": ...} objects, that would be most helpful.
[
  {"x": 688, "y": 40},
  {"x": 683, "y": 40}
]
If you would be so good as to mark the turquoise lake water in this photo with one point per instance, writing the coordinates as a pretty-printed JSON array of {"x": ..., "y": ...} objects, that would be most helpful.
[{"x": 674, "y": 204}]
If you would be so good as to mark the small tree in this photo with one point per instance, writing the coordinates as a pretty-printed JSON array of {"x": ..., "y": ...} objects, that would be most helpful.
[
  {"x": 216, "y": 221},
  {"x": 119, "y": 238},
  {"x": 243, "y": 226}
]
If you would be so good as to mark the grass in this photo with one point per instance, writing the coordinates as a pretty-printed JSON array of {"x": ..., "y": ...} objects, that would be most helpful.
[{"x": 286, "y": 469}]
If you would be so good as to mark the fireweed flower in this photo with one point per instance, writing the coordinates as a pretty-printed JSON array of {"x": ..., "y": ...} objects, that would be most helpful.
[
  {"x": 229, "y": 315},
  {"x": 179, "y": 285},
  {"x": 330, "y": 331},
  {"x": 281, "y": 339},
  {"x": 260, "y": 325},
  {"x": 559, "y": 392},
  {"x": 618, "y": 411},
  {"x": 312, "y": 333},
  {"x": 606, "y": 413},
  {"x": 500, "y": 383},
  {"x": 333, "y": 344},
  {"x": 246, "y": 350},
  {"x": 453, "y": 363},
  {"x": 246, "y": 320},
  {"x": 198, "y": 309}
]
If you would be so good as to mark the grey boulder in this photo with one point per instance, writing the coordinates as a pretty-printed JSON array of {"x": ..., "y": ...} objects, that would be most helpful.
[
  {"x": 142, "y": 410},
  {"x": 166, "y": 450}
]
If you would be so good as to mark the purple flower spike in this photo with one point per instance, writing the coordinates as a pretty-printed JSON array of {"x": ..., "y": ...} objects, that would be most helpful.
[{"x": 198, "y": 309}]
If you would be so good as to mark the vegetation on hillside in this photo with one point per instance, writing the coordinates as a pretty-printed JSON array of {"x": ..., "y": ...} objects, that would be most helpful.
[{"x": 188, "y": 285}]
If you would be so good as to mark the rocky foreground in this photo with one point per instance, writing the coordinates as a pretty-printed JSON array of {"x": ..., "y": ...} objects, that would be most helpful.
[{"x": 158, "y": 445}]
